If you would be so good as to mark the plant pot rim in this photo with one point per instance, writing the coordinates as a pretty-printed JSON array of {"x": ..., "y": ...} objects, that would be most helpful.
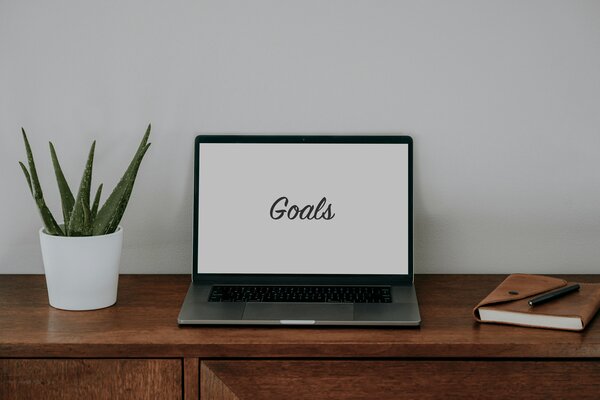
[{"x": 117, "y": 232}]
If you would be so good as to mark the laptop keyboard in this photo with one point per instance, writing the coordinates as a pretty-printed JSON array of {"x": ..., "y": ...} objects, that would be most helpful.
[{"x": 301, "y": 294}]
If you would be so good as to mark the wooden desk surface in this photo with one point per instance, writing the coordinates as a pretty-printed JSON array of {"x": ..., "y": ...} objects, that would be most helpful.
[{"x": 143, "y": 323}]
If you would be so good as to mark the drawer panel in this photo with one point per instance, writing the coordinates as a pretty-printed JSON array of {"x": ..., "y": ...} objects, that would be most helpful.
[
  {"x": 90, "y": 379},
  {"x": 410, "y": 379}
]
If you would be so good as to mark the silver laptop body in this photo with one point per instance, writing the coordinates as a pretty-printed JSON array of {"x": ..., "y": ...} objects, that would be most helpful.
[{"x": 302, "y": 230}]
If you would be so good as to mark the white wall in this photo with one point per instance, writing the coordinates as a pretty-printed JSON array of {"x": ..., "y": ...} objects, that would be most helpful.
[{"x": 502, "y": 98}]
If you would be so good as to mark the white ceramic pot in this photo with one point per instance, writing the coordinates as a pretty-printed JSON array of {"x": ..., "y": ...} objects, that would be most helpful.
[{"x": 82, "y": 273}]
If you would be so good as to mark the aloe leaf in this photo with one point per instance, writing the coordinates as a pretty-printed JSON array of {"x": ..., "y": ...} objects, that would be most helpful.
[
  {"x": 66, "y": 196},
  {"x": 144, "y": 139},
  {"x": 112, "y": 211},
  {"x": 87, "y": 221},
  {"x": 96, "y": 202},
  {"x": 50, "y": 223},
  {"x": 80, "y": 217},
  {"x": 24, "y": 168},
  {"x": 31, "y": 162}
]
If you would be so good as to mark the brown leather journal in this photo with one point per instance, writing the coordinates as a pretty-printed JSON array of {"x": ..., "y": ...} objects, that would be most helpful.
[{"x": 508, "y": 304}]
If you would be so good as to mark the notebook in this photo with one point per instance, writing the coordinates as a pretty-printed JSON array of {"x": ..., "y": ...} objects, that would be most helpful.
[{"x": 508, "y": 304}]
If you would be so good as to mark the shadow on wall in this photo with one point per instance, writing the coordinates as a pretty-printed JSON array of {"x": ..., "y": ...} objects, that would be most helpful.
[
  {"x": 160, "y": 238},
  {"x": 436, "y": 246}
]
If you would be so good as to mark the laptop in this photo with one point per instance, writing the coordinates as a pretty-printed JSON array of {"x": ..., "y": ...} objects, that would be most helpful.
[{"x": 302, "y": 230}]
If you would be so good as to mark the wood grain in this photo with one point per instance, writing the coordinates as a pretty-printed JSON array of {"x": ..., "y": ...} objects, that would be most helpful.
[
  {"x": 191, "y": 379},
  {"x": 90, "y": 379},
  {"x": 423, "y": 380},
  {"x": 143, "y": 323},
  {"x": 212, "y": 387}
]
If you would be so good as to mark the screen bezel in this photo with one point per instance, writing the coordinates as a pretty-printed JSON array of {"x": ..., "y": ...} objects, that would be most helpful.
[{"x": 304, "y": 279}]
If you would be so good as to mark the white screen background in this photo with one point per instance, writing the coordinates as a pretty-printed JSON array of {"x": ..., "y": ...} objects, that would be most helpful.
[{"x": 367, "y": 185}]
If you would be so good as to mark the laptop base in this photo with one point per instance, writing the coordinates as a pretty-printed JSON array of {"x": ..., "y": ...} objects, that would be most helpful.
[{"x": 403, "y": 311}]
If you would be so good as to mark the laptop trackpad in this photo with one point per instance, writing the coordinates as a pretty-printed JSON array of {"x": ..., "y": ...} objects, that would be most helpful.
[{"x": 300, "y": 312}]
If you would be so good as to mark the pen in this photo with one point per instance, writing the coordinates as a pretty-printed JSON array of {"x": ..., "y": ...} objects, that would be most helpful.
[{"x": 553, "y": 295}]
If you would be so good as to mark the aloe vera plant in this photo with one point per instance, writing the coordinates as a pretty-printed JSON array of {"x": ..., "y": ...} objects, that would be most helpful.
[{"x": 80, "y": 217}]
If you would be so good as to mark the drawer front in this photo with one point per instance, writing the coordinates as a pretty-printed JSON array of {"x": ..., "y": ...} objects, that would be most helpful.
[
  {"x": 90, "y": 379},
  {"x": 391, "y": 379}
]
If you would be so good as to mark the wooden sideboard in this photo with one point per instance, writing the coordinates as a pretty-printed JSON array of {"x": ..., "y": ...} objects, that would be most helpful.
[{"x": 136, "y": 350}]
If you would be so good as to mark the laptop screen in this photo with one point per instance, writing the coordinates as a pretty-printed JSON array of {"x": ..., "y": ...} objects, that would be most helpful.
[{"x": 303, "y": 208}]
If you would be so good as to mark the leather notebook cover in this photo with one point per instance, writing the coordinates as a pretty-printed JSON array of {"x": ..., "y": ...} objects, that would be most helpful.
[{"x": 513, "y": 294}]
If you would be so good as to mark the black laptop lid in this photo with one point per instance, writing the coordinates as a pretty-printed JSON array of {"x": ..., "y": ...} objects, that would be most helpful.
[{"x": 303, "y": 209}]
